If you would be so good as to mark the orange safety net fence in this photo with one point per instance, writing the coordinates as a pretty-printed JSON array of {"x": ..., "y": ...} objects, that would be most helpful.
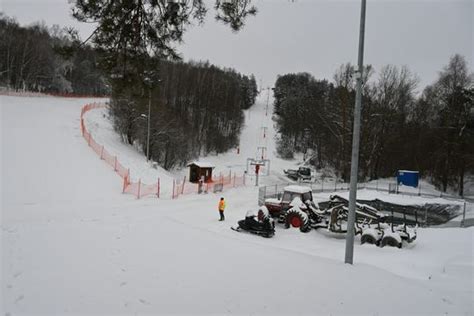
[
  {"x": 140, "y": 189},
  {"x": 136, "y": 188},
  {"x": 217, "y": 184}
]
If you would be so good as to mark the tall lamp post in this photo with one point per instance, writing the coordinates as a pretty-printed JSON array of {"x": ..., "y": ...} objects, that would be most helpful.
[
  {"x": 355, "y": 142},
  {"x": 148, "y": 127},
  {"x": 150, "y": 80}
]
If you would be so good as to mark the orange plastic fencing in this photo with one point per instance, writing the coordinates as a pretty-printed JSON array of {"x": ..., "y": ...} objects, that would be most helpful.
[
  {"x": 140, "y": 189},
  {"x": 218, "y": 184},
  {"x": 136, "y": 188}
]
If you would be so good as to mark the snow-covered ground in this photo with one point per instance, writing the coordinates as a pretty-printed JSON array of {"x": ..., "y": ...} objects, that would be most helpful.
[
  {"x": 258, "y": 132},
  {"x": 72, "y": 244}
]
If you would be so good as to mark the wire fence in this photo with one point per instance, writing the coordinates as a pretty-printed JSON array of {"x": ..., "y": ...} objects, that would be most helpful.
[
  {"x": 217, "y": 184},
  {"x": 427, "y": 214},
  {"x": 140, "y": 189},
  {"x": 334, "y": 186}
]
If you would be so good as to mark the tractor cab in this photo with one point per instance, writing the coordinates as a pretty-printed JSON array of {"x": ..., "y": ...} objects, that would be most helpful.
[{"x": 277, "y": 206}]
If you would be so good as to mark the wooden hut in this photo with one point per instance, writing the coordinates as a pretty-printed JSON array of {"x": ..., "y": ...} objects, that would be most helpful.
[{"x": 200, "y": 170}]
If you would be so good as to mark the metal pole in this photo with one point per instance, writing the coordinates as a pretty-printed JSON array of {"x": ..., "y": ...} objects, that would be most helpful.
[
  {"x": 268, "y": 99},
  {"x": 463, "y": 215},
  {"x": 355, "y": 142},
  {"x": 148, "y": 127}
]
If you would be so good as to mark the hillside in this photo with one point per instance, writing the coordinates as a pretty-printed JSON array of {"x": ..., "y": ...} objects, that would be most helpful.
[{"x": 72, "y": 243}]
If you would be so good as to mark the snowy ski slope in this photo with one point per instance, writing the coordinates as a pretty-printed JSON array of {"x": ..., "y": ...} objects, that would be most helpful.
[{"x": 72, "y": 244}]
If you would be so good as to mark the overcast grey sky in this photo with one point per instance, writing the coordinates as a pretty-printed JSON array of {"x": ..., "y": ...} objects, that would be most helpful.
[{"x": 314, "y": 36}]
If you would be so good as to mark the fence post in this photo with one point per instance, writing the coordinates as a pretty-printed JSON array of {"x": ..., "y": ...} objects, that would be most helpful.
[
  {"x": 102, "y": 153},
  {"x": 139, "y": 185},
  {"x": 184, "y": 182},
  {"x": 89, "y": 140},
  {"x": 426, "y": 217},
  {"x": 172, "y": 191},
  {"x": 124, "y": 184},
  {"x": 158, "y": 189},
  {"x": 234, "y": 179},
  {"x": 419, "y": 188},
  {"x": 463, "y": 215},
  {"x": 115, "y": 163},
  {"x": 128, "y": 176}
]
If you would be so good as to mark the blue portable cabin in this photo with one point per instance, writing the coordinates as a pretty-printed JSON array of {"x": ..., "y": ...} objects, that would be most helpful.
[{"x": 408, "y": 178}]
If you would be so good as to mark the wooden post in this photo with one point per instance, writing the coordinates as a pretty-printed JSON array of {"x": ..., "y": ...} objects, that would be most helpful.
[
  {"x": 184, "y": 182},
  {"x": 124, "y": 184},
  {"x": 234, "y": 179},
  {"x": 115, "y": 163},
  {"x": 102, "y": 153},
  {"x": 463, "y": 215},
  {"x": 158, "y": 188},
  {"x": 139, "y": 185},
  {"x": 172, "y": 193}
]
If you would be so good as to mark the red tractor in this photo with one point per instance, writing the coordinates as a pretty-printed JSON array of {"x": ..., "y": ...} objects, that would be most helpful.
[{"x": 296, "y": 208}]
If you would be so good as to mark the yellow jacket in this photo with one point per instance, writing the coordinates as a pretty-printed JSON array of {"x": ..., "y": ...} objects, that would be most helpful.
[{"x": 221, "y": 205}]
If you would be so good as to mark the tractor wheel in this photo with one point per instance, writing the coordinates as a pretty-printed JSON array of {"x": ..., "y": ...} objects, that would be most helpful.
[
  {"x": 368, "y": 239},
  {"x": 390, "y": 241},
  {"x": 298, "y": 219}
]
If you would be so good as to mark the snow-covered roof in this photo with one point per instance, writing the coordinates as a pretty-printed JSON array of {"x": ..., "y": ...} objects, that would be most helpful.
[
  {"x": 408, "y": 171},
  {"x": 297, "y": 189},
  {"x": 202, "y": 164}
]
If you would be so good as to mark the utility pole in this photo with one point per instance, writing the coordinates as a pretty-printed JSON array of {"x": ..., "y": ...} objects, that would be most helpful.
[
  {"x": 148, "y": 127},
  {"x": 355, "y": 142},
  {"x": 268, "y": 99}
]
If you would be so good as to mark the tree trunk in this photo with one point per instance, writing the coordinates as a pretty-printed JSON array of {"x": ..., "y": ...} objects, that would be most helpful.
[{"x": 461, "y": 179}]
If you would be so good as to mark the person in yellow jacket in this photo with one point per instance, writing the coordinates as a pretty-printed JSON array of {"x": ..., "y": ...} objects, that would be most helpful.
[{"x": 222, "y": 208}]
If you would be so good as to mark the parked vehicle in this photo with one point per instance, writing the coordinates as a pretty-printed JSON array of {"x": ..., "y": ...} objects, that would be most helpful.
[
  {"x": 277, "y": 206},
  {"x": 302, "y": 173},
  {"x": 297, "y": 209},
  {"x": 260, "y": 224}
]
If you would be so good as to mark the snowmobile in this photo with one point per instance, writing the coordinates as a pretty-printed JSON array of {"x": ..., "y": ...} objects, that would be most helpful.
[{"x": 260, "y": 224}]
